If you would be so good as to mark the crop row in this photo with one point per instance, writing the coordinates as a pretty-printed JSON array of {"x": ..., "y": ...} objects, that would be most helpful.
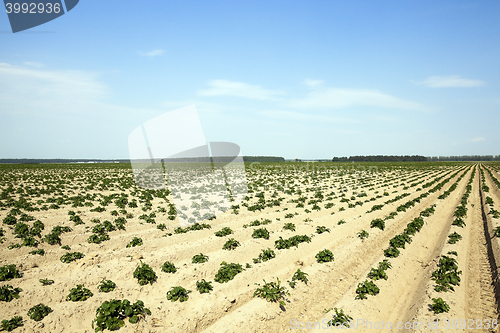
[{"x": 447, "y": 275}]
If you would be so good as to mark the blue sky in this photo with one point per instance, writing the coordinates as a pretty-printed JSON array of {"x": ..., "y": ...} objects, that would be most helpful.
[{"x": 298, "y": 79}]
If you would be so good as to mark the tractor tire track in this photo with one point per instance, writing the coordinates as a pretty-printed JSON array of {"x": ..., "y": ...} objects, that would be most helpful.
[{"x": 483, "y": 283}]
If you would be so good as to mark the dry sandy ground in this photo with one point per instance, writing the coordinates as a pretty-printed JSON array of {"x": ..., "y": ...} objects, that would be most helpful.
[{"x": 231, "y": 307}]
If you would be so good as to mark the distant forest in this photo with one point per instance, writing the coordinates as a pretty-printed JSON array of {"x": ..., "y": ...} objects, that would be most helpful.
[
  {"x": 55, "y": 160},
  {"x": 381, "y": 158},
  {"x": 271, "y": 159},
  {"x": 415, "y": 158},
  {"x": 465, "y": 158},
  {"x": 261, "y": 159}
]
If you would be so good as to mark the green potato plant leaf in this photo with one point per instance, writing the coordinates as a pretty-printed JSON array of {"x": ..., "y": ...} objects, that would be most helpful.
[
  {"x": 145, "y": 274},
  {"x": 178, "y": 293},
  {"x": 38, "y": 312}
]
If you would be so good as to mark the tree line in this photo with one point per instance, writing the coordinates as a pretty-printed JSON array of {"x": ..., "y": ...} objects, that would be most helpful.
[
  {"x": 262, "y": 159},
  {"x": 416, "y": 158},
  {"x": 481, "y": 158},
  {"x": 381, "y": 158}
]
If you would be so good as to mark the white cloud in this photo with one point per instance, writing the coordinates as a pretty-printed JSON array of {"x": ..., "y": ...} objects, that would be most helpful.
[
  {"x": 473, "y": 140},
  {"x": 153, "y": 53},
  {"x": 34, "y": 64},
  {"x": 202, "y": 106},
  {"x": 313, "y": 83},
  {"x": 319, "y": 96},
  {"x": 384, "y": 118},
  {"x": 298, "y": 116},
  {"x": 451, "y": 81},
  {"x": 238, "y": 89},
  {"x": 26, "y": 89},
  {"x": 336, "y": 98}
]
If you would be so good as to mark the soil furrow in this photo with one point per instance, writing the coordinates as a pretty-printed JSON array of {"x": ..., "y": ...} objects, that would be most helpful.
[{"x": 337, "y": 280}]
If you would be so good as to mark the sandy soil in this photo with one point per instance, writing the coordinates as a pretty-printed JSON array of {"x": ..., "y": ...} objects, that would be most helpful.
[{"x": 404, "y": 297}]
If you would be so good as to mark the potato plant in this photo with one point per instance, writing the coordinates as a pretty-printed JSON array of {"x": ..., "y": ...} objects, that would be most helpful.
[
  {"x": 392, "y": 252},
  {"x": 195, "y": 226},
  {"x": 136, "y": 241},
  {"x": 272, "y": 292},
  {"x": 454, "y": 237},
  {"x": 377, "y": 274},
  {"x": 110, "y": 314},
  {"x": 38, "y": 312},
  {"x": 178, "y": 293},
  {"x": 447, "y": 274},
  {"x": 257, "y": 223},
  {"x": 340, "y": 319},
  {"x": 53, "y": 237},
  {"x": 145, "y": 274},
  {"x": 161, "y": 226},
  {"x": 399, "y": 241},
  {"x": 223, "y": 232},
  {"x": 376, "y": 207},
  {"x": 13, "y": 323},
  {"x": 260, "y": 233},
  {"x": 79, "y": 294},
  {"x": 265, "y": 255},
  {"x": 391, "y": 216},
  {"x": 298, "y": 276},
  {"x": 385, "y": 264},
  {"x": 46, "y": 282},
  {"x": 8, "y": 293},
  {"x": 227, "y": 272},
  {"x": 439, "y": 306},
  {"x": 120, "y": 223},
  {"x": 363, "y": 234},
  {"x": 76, "y": 219},
  {"x": 494, "y": 213},
  {"x": 292, "y": 241},
  {"x": 9, "y": 272},
  {"x": 71, "y": 256},
  {"x": 366, "y": 288},
  {"x": 414, "y": 226},
  {"x": 231, "y": 244},
  {"x": 10, "y": 220},
  {"x": 496, "y": 231},
  {"x": 199, "y": 258},
  {"x": 105, "y": 286},
  {"x": 377, "y": 223},
  {"x": 428, "y": 211},
  {"x": 204, "y": 286},
  {"x": 29, "y": 241},
  {"x": 321, "y": 229},
  {"x": 324, "y": 256},
  {"x": 98, "y": 238},
  {"x": 459, "y": 222},
  {"x": 168, "y": 267}
]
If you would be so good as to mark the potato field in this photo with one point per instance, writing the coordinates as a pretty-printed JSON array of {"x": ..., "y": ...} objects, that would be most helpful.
[{"x": 375, "y": 247}]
